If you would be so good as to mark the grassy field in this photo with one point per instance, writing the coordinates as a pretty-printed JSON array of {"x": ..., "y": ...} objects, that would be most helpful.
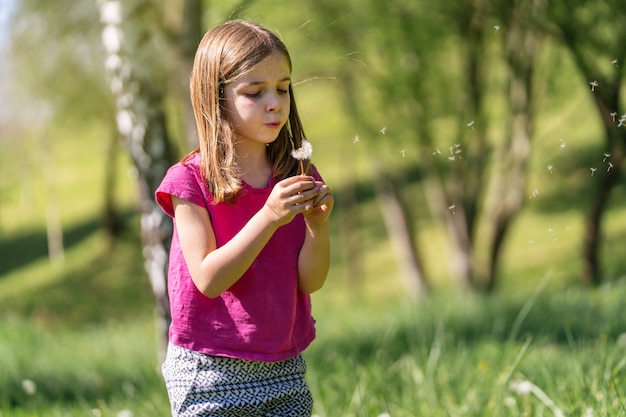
[
  {"x": 505, "y": 355},
  {"x": 77, "y": 338}
]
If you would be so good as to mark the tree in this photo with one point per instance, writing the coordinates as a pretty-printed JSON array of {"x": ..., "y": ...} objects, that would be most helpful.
[
  {"x": 133, "y": 44},
  {"x": 594, "y": 32},
  {"x": 46, "y": 61},
  {"x": 429, "y": 72}
]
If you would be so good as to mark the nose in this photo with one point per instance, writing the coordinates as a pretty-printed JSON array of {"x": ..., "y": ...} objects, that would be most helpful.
[{"x": 273, "y": 102}]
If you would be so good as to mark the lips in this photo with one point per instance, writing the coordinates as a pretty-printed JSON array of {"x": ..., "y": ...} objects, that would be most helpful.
[{"x": 273, "y": 125}]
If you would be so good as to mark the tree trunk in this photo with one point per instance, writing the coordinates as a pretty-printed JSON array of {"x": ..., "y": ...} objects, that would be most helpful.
[
  {"x": 112, "y": 221},
  {"x": 401, "y": 234},
  {"x": 190, "y": 36},
  {"x": 592, "y": 271},
  {"x": 141, "y": 122},
  {"x": 521, "y": 46}
]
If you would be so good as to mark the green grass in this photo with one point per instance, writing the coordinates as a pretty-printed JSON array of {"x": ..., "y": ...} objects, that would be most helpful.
[{"x": 446, "y": 356}]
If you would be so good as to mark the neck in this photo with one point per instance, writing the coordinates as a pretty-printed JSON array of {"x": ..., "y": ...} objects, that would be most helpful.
[{"x": 255, "y": 168}]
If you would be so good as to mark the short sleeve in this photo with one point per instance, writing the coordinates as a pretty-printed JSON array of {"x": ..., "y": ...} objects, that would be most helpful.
[
  {"x": 315, "y": 173},
  {"x": 183, "y": 181}
]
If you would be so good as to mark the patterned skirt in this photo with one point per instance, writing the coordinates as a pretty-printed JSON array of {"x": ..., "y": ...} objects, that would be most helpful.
[{"x": 204, "y": 385}]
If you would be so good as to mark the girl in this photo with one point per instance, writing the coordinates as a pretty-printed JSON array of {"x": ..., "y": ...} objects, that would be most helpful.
[{"x": 251, "y": 238}]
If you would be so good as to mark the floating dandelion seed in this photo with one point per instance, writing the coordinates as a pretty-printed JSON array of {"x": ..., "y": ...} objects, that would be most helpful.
[
  {"x": 303, "y": 153},
  {"x": 403, "y": 152},
  {"x": 593, "y": 85},
  {"x": 562, "y": 145},
  {"x": 451, "y": 208},
  {"x": 593, "y": 171},
  {"x": 609, "y": 167},
  {"x": 383, "y": 130},
  {"x": 535, "y": 193},
  {"x": 497, "y": 27},
  {"x": 550, "y": 167},
  {"x": 614, "y": 62},
  {"x": 471, "y": 124},
  {"x": 437, "y": 152},
  {"x": 356, "y": 139},
  {"x": 553, "y": 234},
  {"x": 606, "y": 156},
  {"x": 613, "y": 115},
  {"x": 622, "y": 120}
]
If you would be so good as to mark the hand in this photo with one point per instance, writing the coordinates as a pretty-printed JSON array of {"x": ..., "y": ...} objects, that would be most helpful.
[
  {"x": 294, "y": 195},
  {"x": 321, "y": 206}
]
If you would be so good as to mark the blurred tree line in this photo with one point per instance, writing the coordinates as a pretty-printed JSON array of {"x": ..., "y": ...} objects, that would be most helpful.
[{"x": 457, "y": 81}]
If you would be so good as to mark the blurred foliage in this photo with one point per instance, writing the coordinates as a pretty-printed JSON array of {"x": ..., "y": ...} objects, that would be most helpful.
[{"x": 378, "y": 83}]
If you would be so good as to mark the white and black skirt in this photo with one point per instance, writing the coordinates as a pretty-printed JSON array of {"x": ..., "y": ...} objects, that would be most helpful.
[{"x": 205, "y": 385}]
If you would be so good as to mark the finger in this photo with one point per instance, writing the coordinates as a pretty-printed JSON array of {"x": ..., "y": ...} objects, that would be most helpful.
[{"x": 323, "y": 196}]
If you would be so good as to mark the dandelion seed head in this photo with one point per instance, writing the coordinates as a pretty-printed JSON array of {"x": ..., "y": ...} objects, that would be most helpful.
[
  {"x": 304, "y": 152},
  {"x": 522, "y": 387},
  {"x": 29, "y": 387}
]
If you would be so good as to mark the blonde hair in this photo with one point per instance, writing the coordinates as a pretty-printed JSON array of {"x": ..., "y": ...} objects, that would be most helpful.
[{"x": 225, "y": 53}]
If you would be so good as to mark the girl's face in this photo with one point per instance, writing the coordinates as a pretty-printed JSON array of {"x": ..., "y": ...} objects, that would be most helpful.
[{"x": 257, "y": 103}]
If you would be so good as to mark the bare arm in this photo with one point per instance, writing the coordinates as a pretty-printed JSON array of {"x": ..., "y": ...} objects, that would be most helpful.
[
  {"x": 214, "y": 269},
  {"x": 314, "y": 259}
]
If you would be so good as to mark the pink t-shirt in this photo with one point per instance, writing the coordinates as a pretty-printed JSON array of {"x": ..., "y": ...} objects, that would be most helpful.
[{"x": 262, "y": 316}]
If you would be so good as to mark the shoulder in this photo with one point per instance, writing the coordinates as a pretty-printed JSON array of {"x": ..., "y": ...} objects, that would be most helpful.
[{"x": 183, "y": 180}]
